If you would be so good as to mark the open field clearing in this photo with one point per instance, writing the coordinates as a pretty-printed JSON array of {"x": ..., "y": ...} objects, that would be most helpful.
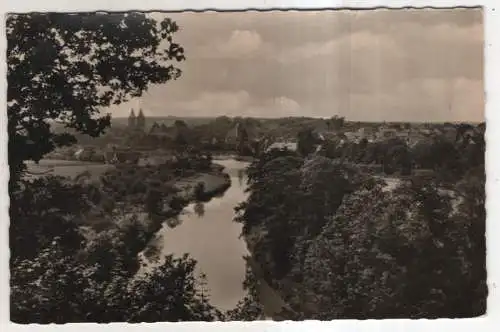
[{"x": 66, "y": 168}]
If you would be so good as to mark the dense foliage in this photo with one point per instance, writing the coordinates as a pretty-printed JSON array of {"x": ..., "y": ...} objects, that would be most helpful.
[
  {"x": 64, "y": 272},
  {"x": 448, "y": 156},
  {"x": 336, "y": 242}
]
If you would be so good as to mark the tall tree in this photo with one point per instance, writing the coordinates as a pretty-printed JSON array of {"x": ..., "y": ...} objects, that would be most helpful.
[
  {"x": 63, "y": 68},
  {"x": 306, "y": 141},
  {"x": 242, "y": 138},
  {"x": 335, "y": 123},
  {"x": 387, "y": 254}
]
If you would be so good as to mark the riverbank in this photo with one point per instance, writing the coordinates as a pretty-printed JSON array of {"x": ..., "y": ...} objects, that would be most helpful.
[
  {"x": 201, "y": 187},
  {"x": 194, "y": 187},
  {"x": 247, "y": 159}
]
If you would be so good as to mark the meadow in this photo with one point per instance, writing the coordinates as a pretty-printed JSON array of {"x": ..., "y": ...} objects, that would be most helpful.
[{"x": 66, "y": 168}]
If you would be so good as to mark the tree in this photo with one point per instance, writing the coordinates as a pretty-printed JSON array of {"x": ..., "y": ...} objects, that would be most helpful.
[
  {"x": 306, "y": 141},
  {"x": 471, "y": 215},
  {"x": 461, "y": 130},
  {"x": 399, "y": 158},
  {"x": 180, "y": 124},
  {"x": 61, "y": 273},
  {"x": 388, "y": 254},
  {"x": 273, "y": 182},
  {"x": 63, "y": 68},
  {"x": 56, "y": 287},
  {"x": 395, "y": 155},
  {"x": 335, "y": 123},
  {"x": 183, "y": 136},
  {"x": 354, "y": 248},
  {"x": 180, "y": 140},
  {"x": 440, "y": 155},
  {"x": 242, "y": 140},
  {"x": 249, "y": 308},
  {"x": 55, "y": 209}
]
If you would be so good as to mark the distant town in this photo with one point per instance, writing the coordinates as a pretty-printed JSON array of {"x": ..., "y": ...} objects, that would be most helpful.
[{"x": 143, "y": 141}]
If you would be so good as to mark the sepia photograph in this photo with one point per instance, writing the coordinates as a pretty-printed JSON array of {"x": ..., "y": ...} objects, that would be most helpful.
[{"x": 246, "y": 165}]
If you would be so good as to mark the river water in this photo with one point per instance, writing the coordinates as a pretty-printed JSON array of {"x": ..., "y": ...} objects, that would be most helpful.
[{"x": 208, "y": 234}]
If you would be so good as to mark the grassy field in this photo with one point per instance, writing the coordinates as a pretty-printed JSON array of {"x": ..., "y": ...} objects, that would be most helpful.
[{"x": 66, "y": 168}]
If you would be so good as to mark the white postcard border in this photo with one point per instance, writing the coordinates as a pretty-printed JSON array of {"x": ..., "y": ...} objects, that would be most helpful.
[{"x": 492, "y": 113}]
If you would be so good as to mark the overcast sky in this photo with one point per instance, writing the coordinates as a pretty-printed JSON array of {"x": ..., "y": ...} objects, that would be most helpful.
[{"x": 392, "y": 65}]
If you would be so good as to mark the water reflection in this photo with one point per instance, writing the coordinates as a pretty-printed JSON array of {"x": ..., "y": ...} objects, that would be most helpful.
[
  {"x": 153, "y": 250},
  {"x": 173, "y": 222},
  {"x": 199, "y": 209},
  {"x": 241, "y": 176}
]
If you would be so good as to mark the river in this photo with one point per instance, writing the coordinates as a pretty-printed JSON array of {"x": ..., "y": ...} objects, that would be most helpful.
[{"x": 208, "y": 234}]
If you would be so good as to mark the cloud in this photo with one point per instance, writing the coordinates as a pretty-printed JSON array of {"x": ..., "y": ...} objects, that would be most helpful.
[
  {"x": 385, "y": 19},
  {"x": 241, "y": 43},
  {"x": 237, "y": 103},
  {"x": 345, "y": 46},
  {"x": 276, "y": 107},
  {"x": 428, "y": 99},
  {"x": 384, "y": 64},
  {"x": 220, "y": 102},
  {"x": 292, "y": 28}
]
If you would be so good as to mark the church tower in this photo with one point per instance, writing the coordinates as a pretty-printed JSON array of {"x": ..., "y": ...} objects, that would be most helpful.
[
  {"x": 131, "y": 120},
  {"x": 141, "y": 121}
]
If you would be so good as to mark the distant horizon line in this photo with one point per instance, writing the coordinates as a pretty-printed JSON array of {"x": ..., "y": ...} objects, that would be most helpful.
[{"x": 300, "y": 117}]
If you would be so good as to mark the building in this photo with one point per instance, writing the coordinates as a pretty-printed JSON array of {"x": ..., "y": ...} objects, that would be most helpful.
[
  {"x": 403, "y": 135},
  {"x": 118, "y": 156},
  {"x": 155, "y": 160},
  {"x": 291, "y": 146},
  {"x": 84, "y": 154},
  {"x": 155, "y": 129},
  {"x": 351, "y": 136},
  {"x": 233, "y": 134},
  {"x": 136, "y": 123},
  {"x": 450, "y": 133},
  {"x": 131, "y": 120},
  {"x": 140, "y": 121},
  {"x": 242, "y": 131},
  {"x": 386, "y": 133}
]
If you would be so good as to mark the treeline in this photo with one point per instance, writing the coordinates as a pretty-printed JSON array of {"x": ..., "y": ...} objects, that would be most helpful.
[
  {"x": 216, "y": 136},
  {"x": 336, "y": 243},
  {"x": 439, "y": 153}
]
